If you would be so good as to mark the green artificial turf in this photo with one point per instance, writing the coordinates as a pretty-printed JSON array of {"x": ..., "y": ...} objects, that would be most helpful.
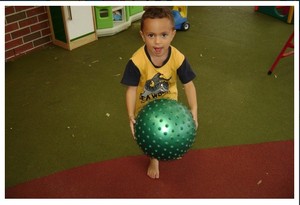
[{"x": 64, "y": 109}]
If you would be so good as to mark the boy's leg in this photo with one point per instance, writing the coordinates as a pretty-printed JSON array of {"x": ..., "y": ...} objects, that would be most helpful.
[{"x": 153, "y": 168}]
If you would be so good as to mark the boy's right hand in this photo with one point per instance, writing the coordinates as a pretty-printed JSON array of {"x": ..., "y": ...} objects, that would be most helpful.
[{"x": 131, "y": 124}]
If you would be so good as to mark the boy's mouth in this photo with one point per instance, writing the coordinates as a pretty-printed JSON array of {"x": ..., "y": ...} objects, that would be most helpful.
[{"x": 158, "y": 49}]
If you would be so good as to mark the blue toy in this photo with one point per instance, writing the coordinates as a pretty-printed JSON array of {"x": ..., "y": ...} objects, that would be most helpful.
[
  {"x": 117, "y": 16},
  {"x": 180, "y": 18}
]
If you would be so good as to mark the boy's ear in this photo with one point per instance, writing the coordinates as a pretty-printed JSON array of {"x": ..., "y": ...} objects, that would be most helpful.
[
  {"x": 142, "y": 35},
  {"x": 173, "y": 33}
]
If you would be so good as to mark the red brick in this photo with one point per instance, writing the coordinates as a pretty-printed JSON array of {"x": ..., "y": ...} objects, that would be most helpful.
[
  {"x": 32, "y": 36},
  {"x": 48, "y": 43},
  {"x": 21, "y": 32},
  {"x": 15, "y": 17},
  {"x": 24, "y": 48},
  {"x": 41, "y": 41},
  {"x": 39, "y": 26},
  {"x": 11, "y": 27},
  {"x": 9, "y": 54},
  {"x": 43, "y": 17},
  {"x": 46, "y": 32},
  {"x": 13, "y": 43},
  {"x": 9, "y": 10},
  {"x": 22, "y": 8},
  {"x": 7, "y": 37},
  {"x": 35, "y": 11},
  {"x": 28, "y": 21}
]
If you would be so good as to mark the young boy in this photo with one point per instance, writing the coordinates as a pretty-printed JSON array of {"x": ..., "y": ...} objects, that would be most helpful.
[{"x": 153, "y": 69}]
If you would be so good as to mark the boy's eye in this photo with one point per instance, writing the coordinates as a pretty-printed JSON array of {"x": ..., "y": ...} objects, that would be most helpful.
[
  {"x": 164, "y": 35},
  {"x": 151, "y": 35}
]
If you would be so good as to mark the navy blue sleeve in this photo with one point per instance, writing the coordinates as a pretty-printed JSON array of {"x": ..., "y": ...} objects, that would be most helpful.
[
  {"x": 185, "y": 72},
  {"x": 131, "y": 76}
]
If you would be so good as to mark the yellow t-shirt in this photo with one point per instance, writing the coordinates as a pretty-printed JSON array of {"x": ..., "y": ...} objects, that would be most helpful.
[{"x": 156, "y": 82}]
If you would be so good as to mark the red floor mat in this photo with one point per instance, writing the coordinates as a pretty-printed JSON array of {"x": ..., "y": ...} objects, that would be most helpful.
[{"x": 248, "y": 171}]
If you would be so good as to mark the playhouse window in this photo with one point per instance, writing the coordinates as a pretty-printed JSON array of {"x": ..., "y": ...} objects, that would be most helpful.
[{"x": 103, "y": 13}]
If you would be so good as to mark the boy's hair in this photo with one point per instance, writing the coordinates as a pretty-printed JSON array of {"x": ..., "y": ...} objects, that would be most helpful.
[{"x": 157, "y": 13}]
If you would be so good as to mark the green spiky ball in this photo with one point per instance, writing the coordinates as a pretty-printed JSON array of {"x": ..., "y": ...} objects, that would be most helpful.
[{"x": 165, "y": 129}]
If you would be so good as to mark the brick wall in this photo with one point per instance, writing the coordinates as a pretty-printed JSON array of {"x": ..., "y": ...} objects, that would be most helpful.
[{"x": 26, "y": 28}]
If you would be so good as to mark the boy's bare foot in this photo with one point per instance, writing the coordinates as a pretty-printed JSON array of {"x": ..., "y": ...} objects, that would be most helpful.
[{"x": 153, "y": 168}]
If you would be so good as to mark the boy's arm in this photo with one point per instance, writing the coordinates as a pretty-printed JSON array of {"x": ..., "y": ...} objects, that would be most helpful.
[
  {"x": 130, "y": 104},
  {"x": 191, "y": 95}
]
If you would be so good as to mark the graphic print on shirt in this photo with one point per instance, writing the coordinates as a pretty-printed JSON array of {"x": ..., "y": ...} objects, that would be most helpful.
[{"x": 155, "y": 87}]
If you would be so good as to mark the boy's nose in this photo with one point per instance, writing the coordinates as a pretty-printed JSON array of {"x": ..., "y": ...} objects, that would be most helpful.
[{"x": 157, "y": 40}]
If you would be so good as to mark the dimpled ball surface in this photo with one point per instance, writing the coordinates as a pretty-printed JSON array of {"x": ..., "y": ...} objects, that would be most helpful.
[{"x": 165, "y": 129}]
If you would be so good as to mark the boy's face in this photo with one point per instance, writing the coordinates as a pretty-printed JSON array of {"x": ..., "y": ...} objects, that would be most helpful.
[{"x": 158, "y": 35}]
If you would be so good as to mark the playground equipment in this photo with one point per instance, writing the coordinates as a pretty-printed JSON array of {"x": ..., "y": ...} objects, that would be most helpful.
[
  {"x": 72, "y": 26},
  {"x": 113, "y": 19},
  {"x": 283, "y": 52},
  {"x": 180, "y": 18},
  {"x": 284, "y": 13}
]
